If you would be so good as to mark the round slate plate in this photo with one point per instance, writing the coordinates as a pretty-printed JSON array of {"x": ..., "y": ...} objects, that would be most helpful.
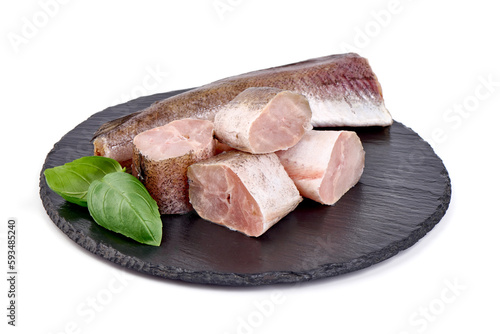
[{"x": 404, "y": 191}]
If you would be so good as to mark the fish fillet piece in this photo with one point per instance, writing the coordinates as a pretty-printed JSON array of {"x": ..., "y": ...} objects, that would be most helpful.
[
  {"x": 242, "y": 191},
  {"x": 263, "y": 120},
  {"x": 342, "y": 90},
  {"x": 324, "y": 165},
  {"x": 162, "y": 156}
]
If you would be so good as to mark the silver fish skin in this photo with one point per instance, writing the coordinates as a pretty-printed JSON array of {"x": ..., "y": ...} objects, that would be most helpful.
[{"x": 342, "y": 91}]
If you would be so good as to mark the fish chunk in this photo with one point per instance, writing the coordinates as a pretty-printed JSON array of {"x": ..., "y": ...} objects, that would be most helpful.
[
  {"x": 342, "y": 90},
  {"x": 242, "y": 191},
  {"x": 263, "y": 120},
  {"x": 324, "y": 165},
  {"x": 162, "y": 156}
]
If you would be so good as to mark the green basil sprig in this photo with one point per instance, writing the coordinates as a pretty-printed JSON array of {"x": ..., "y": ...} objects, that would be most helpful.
[
  {"x": 72, "y": 180},
  {"x": 121, "y": 203},
  {"x": 116, "y": 200}
]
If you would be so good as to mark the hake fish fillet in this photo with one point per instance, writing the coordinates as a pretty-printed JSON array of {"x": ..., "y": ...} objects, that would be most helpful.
[
  {"x": 162, "y": 156},
  {"x": 342, "y": 90},
  {"x": 245, "y": 192},
  {"x": 324, "y": 165},
  {"x": 263, "y": 120}
]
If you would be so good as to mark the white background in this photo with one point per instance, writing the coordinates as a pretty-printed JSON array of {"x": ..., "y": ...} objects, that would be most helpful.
[{"x": 63, "y": 62}]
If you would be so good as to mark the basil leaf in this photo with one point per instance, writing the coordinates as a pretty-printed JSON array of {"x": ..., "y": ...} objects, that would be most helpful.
[
  {"x": 121, "y": 203},
  {"x": 72, "y": 180}
]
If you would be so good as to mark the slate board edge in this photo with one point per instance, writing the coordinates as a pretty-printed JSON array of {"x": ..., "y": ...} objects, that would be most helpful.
[{"x": 233, "y": 279}]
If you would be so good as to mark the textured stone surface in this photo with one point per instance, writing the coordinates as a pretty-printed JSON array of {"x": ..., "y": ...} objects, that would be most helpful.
[{"x": 403, "y": 193}]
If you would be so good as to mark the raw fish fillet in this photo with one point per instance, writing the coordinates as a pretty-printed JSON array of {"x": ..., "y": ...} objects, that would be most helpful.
[{"x": 342, "y": 90}]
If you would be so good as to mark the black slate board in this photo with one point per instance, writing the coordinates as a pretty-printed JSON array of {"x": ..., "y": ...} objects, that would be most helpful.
[{"x": 404, "y": 192}]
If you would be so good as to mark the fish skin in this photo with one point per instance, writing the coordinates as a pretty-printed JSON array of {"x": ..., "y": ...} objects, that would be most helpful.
[{"x": 342, "y": 91}]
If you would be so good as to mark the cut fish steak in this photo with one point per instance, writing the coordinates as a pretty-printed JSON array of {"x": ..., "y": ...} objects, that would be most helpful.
[
  {"x": 263, "y": 120},
  {"x": 162, "y": 156},
  {"x": 324, "y": 165},
  {"x": 242, "y": 191}
]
